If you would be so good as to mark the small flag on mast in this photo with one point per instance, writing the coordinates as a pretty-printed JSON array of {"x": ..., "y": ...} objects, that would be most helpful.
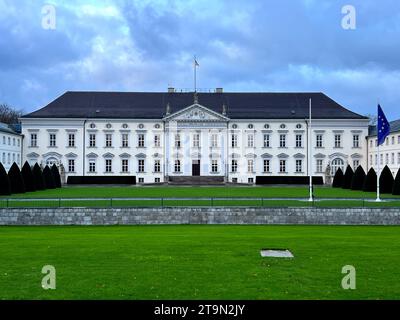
[
  {"x": 383, "y": 126},
  {"x": 196, "y": 64}
]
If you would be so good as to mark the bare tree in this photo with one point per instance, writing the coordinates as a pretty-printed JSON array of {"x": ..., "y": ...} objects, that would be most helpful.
[{"x": 9, "y": 114}]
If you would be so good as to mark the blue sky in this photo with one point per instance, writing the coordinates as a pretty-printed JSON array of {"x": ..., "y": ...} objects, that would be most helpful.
[{"x": 254, "y": 45}]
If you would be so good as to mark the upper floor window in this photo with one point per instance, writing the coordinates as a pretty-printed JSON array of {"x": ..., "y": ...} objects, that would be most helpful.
[
  {"x": 234, "y": 166},
  {"x": 125, "y": 165},
  {"x": 196, "y": 140},
  {"x": 9, "y": 141},
  {"x": 282, "y": 166},
  {"x": 13, "y": 141},
  {"x": 125, "y": 140},
  {"x": 356, "y": 141},
  {"x": 266, "y": 165},
  {"x": 71, "y": 140},
  {"x": 398, "y": 139},
  {"x": 71, "y": 165},
  {"x": 299, "y": 141},
  {"x": 141, "y": 140},
  {"x": 338, "y": 141},
  {"x": 157, "y": 166},
  {"x": 282, "y": 141},
  {"x": 214, "y": 166},
  {"x": 266, "y": 141},
  {"x": 52, "y": 139},
  {"x": 109, "y": 140},
  {"x": 157, "y": 140},
  {"x": 250, "y": 165},
  {"x": 177, "y": 140},
  {"x": 370, "y": 143},
  {"x": 393, "y": 140},
  {"x": 18, "y": 142},
  {"x": 108, "y": 165},
  {"x": 250, "y": 141},
  {"x": 234, "y": 141},
  {"x": 141, "y": 165},
  {"x": 92, "y": 140},
  {"x": 392, "y": 158},
  {"x": 299, "y": 166},
  {"x": 33, "y": 140},
  {"x": 319, "y": 141},
  {"x": 177, "y": 166},
  {"x": 214, "y": 140}
]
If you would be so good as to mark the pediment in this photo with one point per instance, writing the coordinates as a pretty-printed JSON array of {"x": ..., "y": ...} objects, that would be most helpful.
[
  {"x": 338, "y": 155},
  {"x": 108, "y": 155},
  {"x": 52, "y": 154},
  {"x": 124, "y": 155},
  {"x": 319, "y": 155},
  {"x": 283, "y": 156},
  {"x": 157, "y": 155},
  {"x": 250, "y": 156},
  {"x": 32, "y": 155},
  {"x": 235, "y": 156},
  {"x": 141, "y": 156},
  {"x": 195, "y": 155},
  {"x": 196, "y": 112},
  {"x": 266, "y": 156},
  {"x": 299, "y": 156},
  {"x": 92, "y": 155},
  {"x": 71, "y": 155},
  {"x": 356, "y": 156}
]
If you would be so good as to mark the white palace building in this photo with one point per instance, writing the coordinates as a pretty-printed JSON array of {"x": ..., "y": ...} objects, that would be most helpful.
[{"x": 214, "y": 137}]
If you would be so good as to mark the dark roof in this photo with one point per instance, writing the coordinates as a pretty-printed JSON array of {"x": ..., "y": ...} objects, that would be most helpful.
[
  {"x": 10, "y": 128},
  {"x": 394, "y": 127},
  {"x": 152, "y": 105}
]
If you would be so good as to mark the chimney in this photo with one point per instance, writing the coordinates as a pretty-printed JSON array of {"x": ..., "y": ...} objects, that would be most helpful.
[
  {"x": 171, "y": 89},
  {"x": 219, "y": 90}
]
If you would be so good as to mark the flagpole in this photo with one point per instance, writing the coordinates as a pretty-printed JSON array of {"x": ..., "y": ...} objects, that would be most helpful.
[
  {"x": 310, "y": 153},
  {"x": 378, "y": 199},
  {"x": 194, "y": 65}
]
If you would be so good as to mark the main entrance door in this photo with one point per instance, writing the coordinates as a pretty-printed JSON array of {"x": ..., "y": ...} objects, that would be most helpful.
[{"x": 195, "y": 167}]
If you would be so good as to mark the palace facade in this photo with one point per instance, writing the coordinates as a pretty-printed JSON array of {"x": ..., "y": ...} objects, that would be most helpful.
[{"x": 171, "y": 136}]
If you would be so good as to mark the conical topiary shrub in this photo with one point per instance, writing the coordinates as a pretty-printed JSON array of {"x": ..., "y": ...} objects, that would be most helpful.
[
  {"x": 56, "y": 176},
  {"x": 16, "y": 180},
  {"x": 5, "y": 188},
  {"x": 48, "y": 178},
  {"x": 370, "y": 181},
  {"x": 28, "y": 177},
  {"x": 338, "y": 179},
  {"x": 38, "y": 175},
  {"x": 385, "y": 181},
  {"x": 348, "y": 177},
  {"x": 358, "y": 179},
  {"x": 396, "y": 184}
]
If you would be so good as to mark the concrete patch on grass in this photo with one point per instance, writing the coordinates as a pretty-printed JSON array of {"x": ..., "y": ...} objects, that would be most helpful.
[{"x": 276, "y": 253}]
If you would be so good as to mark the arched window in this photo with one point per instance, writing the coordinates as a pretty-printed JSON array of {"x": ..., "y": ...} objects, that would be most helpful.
[
  {"x": 336, "y": 164},
  {"x": 51, "y": 161}
]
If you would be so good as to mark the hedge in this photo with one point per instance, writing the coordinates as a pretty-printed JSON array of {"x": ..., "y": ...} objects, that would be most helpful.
[
  {"x": 56, "y": 176},
  {"x": 396, "y": 184},
  {"x": 48, "y": 178},
  {"x": 386, "y": 181},
  {"x": 16, "y": 180},
  {"x": 29, "y": 179},
  {"x": 348, "y": 177},
  {"x": 5, "y": 188},
  {"x": 338, "y": 179},
  {"x": 370, "y": 181},
  {"x": 38, "y": 175},
  {"x": 358, "y": 179}
]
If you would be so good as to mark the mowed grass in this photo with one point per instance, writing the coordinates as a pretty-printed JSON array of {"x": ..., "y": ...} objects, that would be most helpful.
[
  {"x": 262, "y": 196},
  {"x": 199, "y": 262}
]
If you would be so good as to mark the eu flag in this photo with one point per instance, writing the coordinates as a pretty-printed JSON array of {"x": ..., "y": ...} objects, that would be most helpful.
[{"x": 383, "y": 126}]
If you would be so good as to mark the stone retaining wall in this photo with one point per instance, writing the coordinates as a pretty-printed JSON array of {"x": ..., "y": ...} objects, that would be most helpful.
[{"x": 206, "y": 215}]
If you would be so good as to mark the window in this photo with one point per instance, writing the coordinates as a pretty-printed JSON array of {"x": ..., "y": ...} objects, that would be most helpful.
[
  {"x": 157, "y": 180},
  {"x": 214, "y": 140},
  {"x": 356, "y": 141},
  {"x": 370, "y": 143},
  {"x": 214, "y": 166},
  {"x": 71, "y": 140},
  {"x": 356, "y": 163},
  {"x": 33, "y": 140},
  {"x": 157, "y": 166},
  {"x": 387, "y": 141},
  {"x": 387, "y": 158},
  {"x": 282, "y": 165},
  {"x": 109, "y": 140},
  {"x": 157, "y": 140},
  {"x": 18, "y": 157},
  {"x": 177, "y": 167},
  {"x": 299, "y": 141},
  {"x": 398, "y": 158},
  {"x": 250, "y": 141},
  {"x": 250, "y": 180},
  {"x": 4, "y": 158},
  {"x": 8, "y": 158},
  {"x": 371, "y": 159},
  {"x": 299, "y": 166},
  {"x": 92, "y": 140},
  {"x": 393, "y": 140},
  {"x": 9, "y": 141},
  {"x": 140, "y": 140},
  {"x": 266, "y": 141},
  {"x": 13, "y": 157},
  {"x": 141, "y": 180},
  {"x": 234, "y": 140},
  {"x": 337, "y": 164},
  {"x": 92, "y": 166},
  {"x": 18, "y": 142},
  {"x": 177, "y": 141},
  {"x": 14, "y": 142},
  {"x": 234, "y": 180},
  {"x": 4, "y": 140},
  {"x": 376, "y": 159},
  {"x": 234, "y": 166},
  {"x": 124, "y": 139},
  {"x": 381, "y": 159},
  {"x": 338, "y": 141},
  {"x": 319, "y": 165},
  {"x": 108, "y": 165},
  {"x": 196, "y": 140},
  {"x": 319, "y": 141},
  {"x": 392, "y": 158},
  {"x": 266, "y": 165},
  {"x": 124, "y": 165},
  {"x": 250, "y": 165},
  {"x": 398, "y": 139},
  {"x": 141, "y": 165},
  {"x": 71, "y": 165},
  {"x": 282, "y": 141},
  {"x": 52, "y": 139}
]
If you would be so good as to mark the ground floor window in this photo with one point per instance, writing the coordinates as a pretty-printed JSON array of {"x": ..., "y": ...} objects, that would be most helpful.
[
  {"x": 125, "y": 165},
  {"x": 214, "y": 166},
  {"x": 71, "y": 165},
  {"x": 282, "y": 166},
  {"x": 234, "y": 180},
  {"x": 92, "y": 166},
  {"x": 234, "y": 166},
  {"x": 319, "y": 165},
  {"x": 336, "y": 165},
  {"x": 141, "y": 165},
  {"x": 157, "y": 166},
  {"x": 250, "y": 180},
  {"x": 266, "y": 165},
  {"x": 177, "y": 167},
  {"x": 108, "y": 165},
  {"x": 299, "y": 166},
  {"x": 356, "y": 163},
  {"x": 157, "y": 180},
  {"x": 141, "y": 180},
  {"x": 250, "y": 165}
]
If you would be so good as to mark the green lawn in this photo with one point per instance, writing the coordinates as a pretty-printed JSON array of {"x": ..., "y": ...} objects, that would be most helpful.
[
  {"x": 61, "y": 197},
  {"x": 199, "y": 262}
]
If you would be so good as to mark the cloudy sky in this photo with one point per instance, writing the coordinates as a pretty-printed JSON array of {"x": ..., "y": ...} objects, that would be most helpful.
[{"x": 254, "y": 45}]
